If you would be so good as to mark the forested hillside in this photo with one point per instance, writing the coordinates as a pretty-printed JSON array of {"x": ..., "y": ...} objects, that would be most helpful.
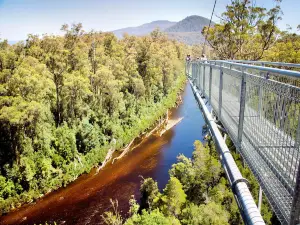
[
  {"x": 187, "y": 31},
  {"x": 190, "y": 24},
  {"x": 144, "y": 29},
  {"x": 66, "y": 100}
]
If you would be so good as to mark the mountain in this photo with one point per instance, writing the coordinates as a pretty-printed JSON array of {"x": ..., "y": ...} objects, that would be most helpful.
[
  {"x": 189, "y": 38},
  {"x": 189, "y": 30},
  {"x": 189, "y": 24},
  {"x": 145, "y": 28}
]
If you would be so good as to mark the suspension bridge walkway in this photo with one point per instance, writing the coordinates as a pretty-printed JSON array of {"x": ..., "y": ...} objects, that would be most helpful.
[{"x": 258, "y": 105}]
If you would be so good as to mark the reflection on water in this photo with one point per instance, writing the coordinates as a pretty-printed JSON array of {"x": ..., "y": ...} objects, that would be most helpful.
[{"x": 83, "y": 201}]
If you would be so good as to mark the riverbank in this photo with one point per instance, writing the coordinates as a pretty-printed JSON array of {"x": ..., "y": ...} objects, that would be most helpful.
[
  {"x": 84, "y": 200},
  {"x": 159, "y": 129},
  {"x": 85, "y": 163}
]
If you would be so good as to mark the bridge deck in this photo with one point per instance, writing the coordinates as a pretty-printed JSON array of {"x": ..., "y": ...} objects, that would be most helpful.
[
  {"x": 262, "y": 161},
  {"x": 269, "y": 128}
]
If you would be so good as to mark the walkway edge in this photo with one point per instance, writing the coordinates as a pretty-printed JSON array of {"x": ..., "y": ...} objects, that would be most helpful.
[{"x": 245, "y": 201}]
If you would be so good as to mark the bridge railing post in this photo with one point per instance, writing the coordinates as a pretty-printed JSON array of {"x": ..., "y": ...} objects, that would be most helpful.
[
  {"x": 198, "y": 76},
  {"x": 210, "y": 82},
  {"x": 295, "y": 211},
  {"x": 203, "y": 86},
  {"x": 220, "y": 92},
  {"x": 242, "y": 109},
  {"x": 193, "y": 75},
  {"x": 260, "y": 93}
]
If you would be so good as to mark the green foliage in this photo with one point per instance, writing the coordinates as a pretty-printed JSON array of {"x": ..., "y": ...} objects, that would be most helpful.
[
  {"x": 266, "y": 211},
  {"x": 149, "y": 192},
  {"x": 113, "y": 217},
  {"x": 197, "y": 175},
  {"x": 173, "y": 197},
  {"x": 206, "y": 214},
  {"x": 150, "y": 218},
  {"x": 179, "y": 203},
  {"x": 246, "y": 31},
  {"x": 66, "y": 100},
  {"x": 286, "y": 49},
  {"x": 65, "y": 142}
]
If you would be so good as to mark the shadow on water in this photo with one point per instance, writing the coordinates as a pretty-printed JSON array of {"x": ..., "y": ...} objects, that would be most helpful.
[{"x": 83, "y": 201}]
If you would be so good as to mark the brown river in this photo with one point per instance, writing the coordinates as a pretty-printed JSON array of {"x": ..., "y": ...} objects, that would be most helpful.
[{"x": 86, "y": 199}]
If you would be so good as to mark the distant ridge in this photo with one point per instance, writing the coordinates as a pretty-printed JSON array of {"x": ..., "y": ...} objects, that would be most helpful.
[
  {"x": 187, "y": 30},
  {"x": 189, "y": 24},
  {"x": 144, "y": 29}
]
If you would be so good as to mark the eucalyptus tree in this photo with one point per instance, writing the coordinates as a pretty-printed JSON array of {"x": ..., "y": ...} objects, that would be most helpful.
[{"x": 246, "y": 30}]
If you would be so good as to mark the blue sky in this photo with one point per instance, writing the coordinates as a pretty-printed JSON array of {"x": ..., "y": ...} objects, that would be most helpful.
[{"x": 21, "y": 17}]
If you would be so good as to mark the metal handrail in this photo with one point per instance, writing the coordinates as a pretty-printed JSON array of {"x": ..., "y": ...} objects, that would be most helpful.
[
  {"x": 282, "y": 64},
  {"x": 248, "y": 208},
  {"x": 262, "y": 68}
]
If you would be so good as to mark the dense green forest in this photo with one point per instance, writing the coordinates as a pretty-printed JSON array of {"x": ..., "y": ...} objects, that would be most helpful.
[
  {"x": 196, "y": 193},
  {"x": 66, "y": 100},
  {"x": 249, "y": 31}
]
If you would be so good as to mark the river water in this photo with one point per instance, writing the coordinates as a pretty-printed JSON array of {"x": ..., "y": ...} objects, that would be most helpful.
[{"x": 84, "y": 201}]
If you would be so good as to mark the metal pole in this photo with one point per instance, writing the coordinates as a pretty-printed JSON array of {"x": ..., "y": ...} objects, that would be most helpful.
[
  {"x": 259, "y": 198},
  {"x": 193, "y": 74},
  {"x": 203, "y": 88},
  {"x": 220, "y": 91},
  {"x": 210, "y": 81},
  {"x": 295, "y": 211},
  {"x": 242, "y": 109},
  {"x": 198, "y": 76},
  {"x": 260, "y": 91}
]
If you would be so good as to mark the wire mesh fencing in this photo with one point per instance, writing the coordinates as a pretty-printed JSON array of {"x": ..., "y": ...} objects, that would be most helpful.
[{"x": 260, "y": 109}]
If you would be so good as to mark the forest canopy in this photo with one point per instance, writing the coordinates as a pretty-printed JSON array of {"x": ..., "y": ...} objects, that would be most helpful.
[
  {"x": 197, "y": 193},
  {"x": 66, "y": 100},
  {"x": 248, "y": 31}
]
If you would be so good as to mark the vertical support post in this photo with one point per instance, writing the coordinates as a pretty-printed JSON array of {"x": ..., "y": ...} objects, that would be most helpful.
[
  {"x": 203, "y": 87},
  {"x": 297, "y": 139},
  {"x": 200, "y": 73},
  {"x": 220, "y": 92},
  {"x": 259, "y": 199},
  {"x": 295, "y": 211},
  {"x": 196, "y": 73},
  {"x": 198, "y": 76},
  {"x": 222, "y": 161},
  {"x": 210, "y": 82},
  {"x": 193, "y": 74},
  {"x": 242, "y": 109},
  {"x": 260, "y": 92}
]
